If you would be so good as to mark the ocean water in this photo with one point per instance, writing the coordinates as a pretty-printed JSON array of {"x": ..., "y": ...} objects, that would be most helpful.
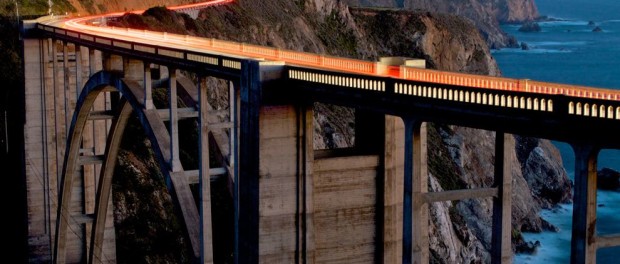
[{"x": 568, "y": 51}]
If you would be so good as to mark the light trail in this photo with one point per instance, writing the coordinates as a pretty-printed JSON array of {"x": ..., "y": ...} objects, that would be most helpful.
[{"x": 303, "y": 59}]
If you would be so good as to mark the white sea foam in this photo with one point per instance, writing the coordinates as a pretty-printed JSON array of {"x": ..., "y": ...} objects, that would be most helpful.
[
  {"x": 532, "y": 50},
  {"x": 553, "y": 246},
  {"x": 560, "y": 23},
  {"x": 556, "y": 43}
]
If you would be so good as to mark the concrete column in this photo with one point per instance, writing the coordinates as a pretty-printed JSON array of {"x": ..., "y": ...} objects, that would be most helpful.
[
  {"x": 69, "y": 101},
  {"x": 415, "y": 210},
  {"x": 407, "y": 194},
  {"x": 205, "y": 180},
  {"x": 83, "y": 68},
  {"x": 112, "y": 62},
  {"x": 133, "y": 70},
  {"x": 420, "y": 188},
  {"x": 306, "y": 206},
  {"x": 92, "y": 61},
  {"x": 247, "y": 184},
  {"x": 79, "y": 65},
  {"x": 49, "y": 115},
  {"x": 98, "y": 128},
  {"x": 58, "y": 115},
  {"x": 147, "y": 85},
  {"x": 175, "y": 162},
  {"x": 583, "y": 246},
  {"x": 232, "y": 116},
  {"x": 36, "y": 61},
  {"x": 393, "y": 191},
  {"x": 501, "y": 249}
]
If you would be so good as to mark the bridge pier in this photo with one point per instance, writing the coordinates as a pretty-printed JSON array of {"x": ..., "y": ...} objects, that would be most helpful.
[
  {"x": 415, "y": 209},
  {"x": 501, "y": 243},
  {"x": 206, "y": 231},
  {"x": 393, "y": 189},
  {"x": 583, "y": 242}
]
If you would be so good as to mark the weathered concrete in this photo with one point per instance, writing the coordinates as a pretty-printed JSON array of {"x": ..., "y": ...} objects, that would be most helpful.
[
  {"x": 206, "y": 232},
  {"x": 285, "y": 175},
  {"x": 393, "y": 191},
  {"x": 54, "y": 75},
  {"x": 344, "y": 208}
]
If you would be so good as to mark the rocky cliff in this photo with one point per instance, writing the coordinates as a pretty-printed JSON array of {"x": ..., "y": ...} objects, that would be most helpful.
[
  {"x": 459, "y": 157},
  {"x": 101, "y": 6},
  {"x": 486, "y": 14}
]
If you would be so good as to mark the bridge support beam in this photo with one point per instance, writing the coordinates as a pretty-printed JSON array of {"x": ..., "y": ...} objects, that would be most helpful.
[
  {"x": 415, "y": 209},
  {"x": 583, "y": 246},
  {"x": 206, "y": 231},
  {"x": 246, "y": 191},
  {"x": 501, "y": 247},
  {"x": 392, "y": 188},
  {"x": 147, "y": 85},
  {"x": 175, "y": 162}
]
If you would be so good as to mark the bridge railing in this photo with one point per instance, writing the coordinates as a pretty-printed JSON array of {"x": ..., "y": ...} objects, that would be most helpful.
[
  {"x": 563, "y": 100},
  {"x": 146, "y": 50},
  {"x": 338, "y": 79}
]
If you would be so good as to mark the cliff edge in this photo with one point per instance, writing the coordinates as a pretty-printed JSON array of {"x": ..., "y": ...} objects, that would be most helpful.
[{"x": 485, "y": 14}]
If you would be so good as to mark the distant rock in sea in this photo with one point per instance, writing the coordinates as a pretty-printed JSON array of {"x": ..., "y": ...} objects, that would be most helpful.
[
  {"x": 591, "y": 23},
  {"x": 597, "y": 29},
  {"x": 530, "y": 27},
  {"x": 608, "y": 179},
  {"x": 524, "y": 46}
]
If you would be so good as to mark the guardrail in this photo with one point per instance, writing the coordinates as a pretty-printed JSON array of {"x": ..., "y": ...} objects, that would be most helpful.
[
  {"x": 568, "y": 105},
  {"x": 230, "y": 63}
]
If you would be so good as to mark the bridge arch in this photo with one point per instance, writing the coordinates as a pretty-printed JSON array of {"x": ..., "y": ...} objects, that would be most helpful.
[{"x": 129, "y": 91}]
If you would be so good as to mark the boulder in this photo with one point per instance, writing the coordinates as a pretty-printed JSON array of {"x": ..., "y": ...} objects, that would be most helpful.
[
  {"x": 524, "y": 46},
  {"x": 530, "y": 27},
  {"x": 597, "y": 29},
  {"x": 608, "y": 179}
]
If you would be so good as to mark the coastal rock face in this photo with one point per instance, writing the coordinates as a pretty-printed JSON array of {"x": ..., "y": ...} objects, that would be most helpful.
[
  {"x": 515, "y": 11},
  {"x": 541, "y": 164},
  {"x": 103, "y": 6},
  {"x": 530, "y": 27},
  {"x": 486, "y": 14},
  {"x": 446, "y": 42},
  {"x": 460, "y": 231}
]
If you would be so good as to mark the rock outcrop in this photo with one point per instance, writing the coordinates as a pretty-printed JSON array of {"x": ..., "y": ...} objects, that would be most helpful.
[
  {"x": 101, "y": 6},
  {"x": 486, "y": 14},
  {"x": 608, "y": 179},
  {"x": 530, "y": 27}
]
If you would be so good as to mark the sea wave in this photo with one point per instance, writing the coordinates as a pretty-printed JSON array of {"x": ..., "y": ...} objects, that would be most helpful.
[
  {"x": 552, "y": 245},
  {"x": 611, "y": 21},
  {"x": 556, "y": 43},
  {"x": 557, "y": 23},
  {"x": 532, "y": 50}
]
